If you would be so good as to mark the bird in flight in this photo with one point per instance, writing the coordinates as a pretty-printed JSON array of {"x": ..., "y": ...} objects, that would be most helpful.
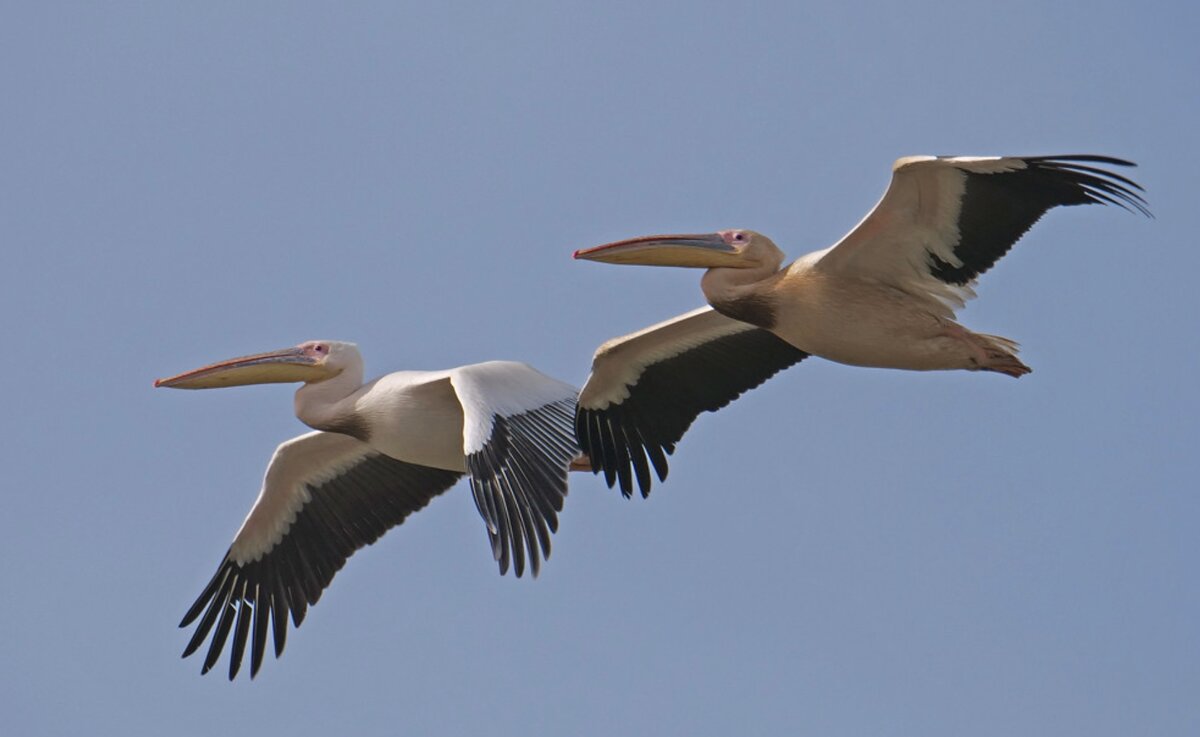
[
  {"x": 380, "y": 451},
  {"x": 885, "y": 295}
]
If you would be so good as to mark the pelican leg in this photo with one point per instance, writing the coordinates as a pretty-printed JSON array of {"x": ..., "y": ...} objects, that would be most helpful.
[
  {"x": 581, "y": 463},
  {"x": 987, "y": 352}
]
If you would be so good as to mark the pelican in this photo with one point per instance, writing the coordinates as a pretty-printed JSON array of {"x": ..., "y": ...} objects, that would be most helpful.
[
  {"x": 381, "y": 451},
  {"x": 885, "y": 296}
]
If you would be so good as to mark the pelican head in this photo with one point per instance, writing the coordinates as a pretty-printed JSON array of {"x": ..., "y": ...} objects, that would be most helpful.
[
  {"x": 739, "y": 249},
  {"x": 309, "y": 362}
]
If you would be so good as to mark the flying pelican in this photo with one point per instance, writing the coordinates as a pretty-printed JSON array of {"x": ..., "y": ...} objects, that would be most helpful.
[
  {"x": 884, "y": 295},
  {"x": 381, "y": 451}
]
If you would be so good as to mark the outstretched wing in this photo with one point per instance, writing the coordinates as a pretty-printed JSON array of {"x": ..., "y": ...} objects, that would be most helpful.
[
  {"x": 519, "y": 444},
  {"x": 945, "y": 220},
  {"x": 646, "y": 388},
  {"x": 325, "y": 495}
]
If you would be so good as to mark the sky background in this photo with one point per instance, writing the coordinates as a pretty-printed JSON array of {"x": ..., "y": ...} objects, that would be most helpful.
[{"x": 843, "y": 551}]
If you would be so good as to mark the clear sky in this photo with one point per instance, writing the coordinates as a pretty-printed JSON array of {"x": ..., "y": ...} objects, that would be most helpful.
[{"x": 843, "y": 551}]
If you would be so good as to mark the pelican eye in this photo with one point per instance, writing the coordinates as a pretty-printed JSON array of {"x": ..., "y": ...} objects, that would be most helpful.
[{"x": 734, "y": 237}]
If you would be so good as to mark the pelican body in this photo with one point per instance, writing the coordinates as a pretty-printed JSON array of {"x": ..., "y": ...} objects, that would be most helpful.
[
  {"x": 884, "y": 296},
  {"x": 380, "y": 451},
  {"x": 848, "y": 318}
]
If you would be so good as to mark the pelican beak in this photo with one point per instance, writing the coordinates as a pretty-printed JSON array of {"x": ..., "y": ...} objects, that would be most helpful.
[
  {"x": 276, "y": 367},
  {"x": 700, "y": 251}
]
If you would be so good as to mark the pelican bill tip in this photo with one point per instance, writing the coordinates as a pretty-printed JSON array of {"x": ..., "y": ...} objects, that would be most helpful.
[{"x": 584, "y": 253}]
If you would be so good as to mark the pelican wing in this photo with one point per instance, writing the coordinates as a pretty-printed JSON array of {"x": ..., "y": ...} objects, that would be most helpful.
[
  {"x": 945, "y": 220},
  {"x": 519, "y": 444},
  {"x": 325, "y": 495},
  {"x": 646, "y": 388}
]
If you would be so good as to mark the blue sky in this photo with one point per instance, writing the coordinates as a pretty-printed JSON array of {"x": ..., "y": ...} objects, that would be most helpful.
[{"x": 842, "y": 551}]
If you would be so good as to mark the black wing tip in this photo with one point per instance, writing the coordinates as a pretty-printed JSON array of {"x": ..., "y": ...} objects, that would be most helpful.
[
  {"x": 1005, "y": 203},
  {"x": 1091, "y": 184},
  {"x": 519, "y": 482},
  {"x": 236, "y": 650},
  {"x": 666, "y": 398},
  {"x": 1088, "y": 158},
  {"x": 514, "y": 541},
  {"x": 1095, "y": 185},
  {"x": 1053, "y": 158},
  {"x": 227, "y": 610},
  {"x": 623, "y": 461},
  {"x": 1101, "y": 186}
]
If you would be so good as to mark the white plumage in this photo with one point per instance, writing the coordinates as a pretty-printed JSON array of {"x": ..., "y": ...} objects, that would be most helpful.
[
  {"x": 381, "y": 451},
  {"x": 883, "y": 296}
]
